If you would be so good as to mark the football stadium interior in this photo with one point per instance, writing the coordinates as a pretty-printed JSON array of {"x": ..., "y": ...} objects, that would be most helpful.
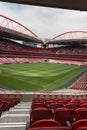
[{"x": 43, "y": 83}]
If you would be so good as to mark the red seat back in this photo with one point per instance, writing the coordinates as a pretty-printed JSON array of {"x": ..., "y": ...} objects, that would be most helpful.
[
  {"x": 82, "y": 128},
  {"x": 40, "y": 113},
  {"x": 50, "y": 128},
  {"x": 64, "y": 114},
  {"x": 81, "y": 113},
  {"x": 78, "y": 124},
  {"x": 45, "y": 123}
]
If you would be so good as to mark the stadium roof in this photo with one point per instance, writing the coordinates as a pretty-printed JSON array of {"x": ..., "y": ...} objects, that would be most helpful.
[
  {"x": 12, "y": 34},
  {"x": 10, "y": 28},
  {"x": 66, "y": 4},
  {"x": 71, "y": 37},
  {"x": 68, "y": 41}
]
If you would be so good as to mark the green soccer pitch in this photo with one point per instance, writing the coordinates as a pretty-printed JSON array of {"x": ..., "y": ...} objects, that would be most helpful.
[{"x": 37, "y": 76}]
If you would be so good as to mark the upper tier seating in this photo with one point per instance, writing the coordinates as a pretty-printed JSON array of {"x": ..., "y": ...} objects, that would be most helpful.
[
  {"x": 69, "y": 55},
  {"x": 16, "y": 47},
  {"x": 72, "y": 50}
]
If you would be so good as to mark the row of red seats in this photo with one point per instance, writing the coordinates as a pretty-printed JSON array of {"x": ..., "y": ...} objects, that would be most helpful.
[
  {"x": 7, "y": 45},
  {"x": 80, "y": 84},
  {"x": 53, "y": 125},
  {"x": 60, "y": 110},
  {"x": 61, "y": 115},
  {"x": 7, "y": 103},
  {"x": 16, "y": 47},
  {"x": 53, "y": 103},
  {"x": 13, "y": 46},
  {"x": 72, "y": 50},
  {"x": 19, "y": 60},
  {"x": 72, "y": 62}
]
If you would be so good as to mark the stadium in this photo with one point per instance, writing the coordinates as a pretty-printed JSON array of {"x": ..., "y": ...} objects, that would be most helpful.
[{"x": 43, "y": 83}]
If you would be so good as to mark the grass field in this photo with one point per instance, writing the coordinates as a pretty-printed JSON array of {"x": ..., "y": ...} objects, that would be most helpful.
[{"x": 37, "y": 76}]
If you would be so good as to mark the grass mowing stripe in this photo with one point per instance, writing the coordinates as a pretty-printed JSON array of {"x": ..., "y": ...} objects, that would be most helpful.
[
  {"x": 34, "y": 80},
  {"x": 64, "y": 79},
  {"x": 36, "y": 70},
  {"x": 41, "y": 72},
  {"x": 13, "y": 83},
  {"x": 57, "y": 75}
]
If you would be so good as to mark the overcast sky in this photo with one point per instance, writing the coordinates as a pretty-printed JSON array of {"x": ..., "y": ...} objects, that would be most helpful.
[{"x": 45, "y": 22}]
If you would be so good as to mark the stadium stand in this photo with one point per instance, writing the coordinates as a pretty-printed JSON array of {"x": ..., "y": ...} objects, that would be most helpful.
[
  {"x": 61, "y": 118},
  {"x": 81, "y": 83},
  {"x": 7, "y": 103},
  {"x": 11, "y": 50},
  {"x": 41, "y": 111},
  {"x": 65, "y": 110},
  {"x": 15, "y": 113},
  {"x": 72, "y": 50}
]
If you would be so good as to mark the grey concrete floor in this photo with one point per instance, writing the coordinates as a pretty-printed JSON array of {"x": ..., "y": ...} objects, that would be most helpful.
[{"x": 16, "y": 118}]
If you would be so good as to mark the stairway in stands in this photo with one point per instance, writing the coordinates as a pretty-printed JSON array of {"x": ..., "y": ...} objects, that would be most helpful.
[{"x": 16, "y": 118}]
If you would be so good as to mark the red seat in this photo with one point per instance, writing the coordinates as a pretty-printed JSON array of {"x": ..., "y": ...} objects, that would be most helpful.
[
  {"x": 5, "y": 106},
  {"x": 36, "y": 105},
  {"x": 72, "y": 105},
  {"x": 81, "y": 113},
  {"x": 84, "y": 105},
  {"x": 56, "y": 105},
  {"x": 50, "y": 128},
  {"x": 45, "y": 123},
  {"x": 64, "y": 114},
  {"x": 79, "y": 124},
  {"x": 82, "y": 128},
  {"x": 40, "y": 114}
]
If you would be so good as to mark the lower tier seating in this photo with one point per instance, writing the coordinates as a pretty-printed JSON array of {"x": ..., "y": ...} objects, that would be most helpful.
[
  {"x": 80, "y": 84},
  {"x": 7, "y": 103},
  {"x": 19, "y": 60},
  {"x": 58, "y": 114}
]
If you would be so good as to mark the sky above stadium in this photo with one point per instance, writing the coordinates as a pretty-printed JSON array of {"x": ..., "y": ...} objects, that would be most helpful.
[{"x": 45, "y": 22}]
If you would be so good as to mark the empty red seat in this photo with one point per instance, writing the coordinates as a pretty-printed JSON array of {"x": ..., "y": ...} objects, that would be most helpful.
[
  {"x": 72, "y": 105},
  {"x": 56, "y": 105},
  {"x": 78, "y": 125},
  {"x": 36, "y": 105},
  {"x": 40, "y": 113},
  {"x": 82, "y": 128},
  {"x": 50, "y": 128},
  {"x": 84, "y": 105},
  {"x": 81, "y": 113},
  {"x": 45, "y": 123},
  {"x": 63, "y": 115}
]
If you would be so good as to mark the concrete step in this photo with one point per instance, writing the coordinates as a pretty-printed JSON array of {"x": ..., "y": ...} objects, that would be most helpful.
[
  {"x": 13, "y": 127},
  {"x": 19, "y": 112},
  {"x": 22, "y": 107},
  {"x": 16, "y": 118}
]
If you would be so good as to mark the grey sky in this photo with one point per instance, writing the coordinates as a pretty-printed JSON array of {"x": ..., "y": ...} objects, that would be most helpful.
[{"x": 45, "y": 22}]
